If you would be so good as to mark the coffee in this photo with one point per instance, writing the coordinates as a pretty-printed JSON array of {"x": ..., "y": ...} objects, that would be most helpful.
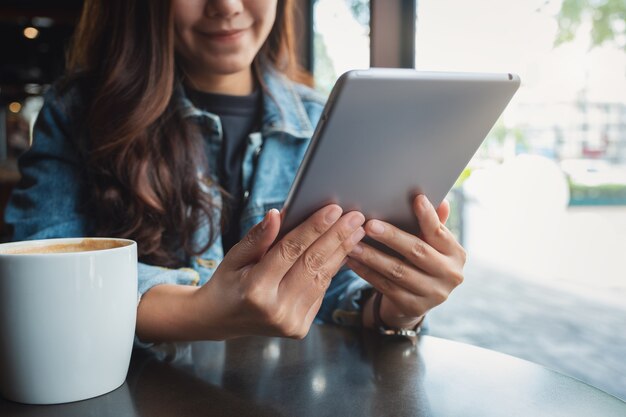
[
  {"x": 67, "y": 317},
  {"x": 84, "y": 245}
]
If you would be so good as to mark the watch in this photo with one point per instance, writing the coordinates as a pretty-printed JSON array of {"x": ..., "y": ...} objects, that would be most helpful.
[{"x": 391, "y": 331}]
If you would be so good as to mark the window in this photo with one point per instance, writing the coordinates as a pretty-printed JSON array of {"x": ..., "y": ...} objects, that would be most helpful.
[
  {"x": 341, "y": 39},
  {"x": 543, "y": 213}
]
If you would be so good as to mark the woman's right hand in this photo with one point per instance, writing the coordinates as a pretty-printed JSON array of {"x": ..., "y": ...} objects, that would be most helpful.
[{"x": 260, "y": 289}]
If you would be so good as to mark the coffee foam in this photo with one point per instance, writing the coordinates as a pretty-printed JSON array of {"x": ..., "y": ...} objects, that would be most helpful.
[{"x": 84, "y": 245}]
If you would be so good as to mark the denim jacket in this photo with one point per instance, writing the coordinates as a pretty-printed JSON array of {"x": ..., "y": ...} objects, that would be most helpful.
[{"x": 49, "y": 201}]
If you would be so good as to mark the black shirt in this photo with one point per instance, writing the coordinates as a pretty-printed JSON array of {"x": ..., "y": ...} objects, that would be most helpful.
[{"x": 239, "y": 116}]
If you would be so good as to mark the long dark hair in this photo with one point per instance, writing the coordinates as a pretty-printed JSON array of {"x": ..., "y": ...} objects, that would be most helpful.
[{"x": 146, "y": 165}]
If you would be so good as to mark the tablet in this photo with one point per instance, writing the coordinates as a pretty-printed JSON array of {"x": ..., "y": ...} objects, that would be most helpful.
[{"x": 387, "y": 135}]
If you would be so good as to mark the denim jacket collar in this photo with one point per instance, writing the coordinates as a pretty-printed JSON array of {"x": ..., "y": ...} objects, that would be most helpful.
[{"x": 283, "y": 110}]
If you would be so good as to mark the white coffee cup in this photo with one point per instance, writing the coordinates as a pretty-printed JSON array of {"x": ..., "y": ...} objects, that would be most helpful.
[{"x": 67, "y": 318}]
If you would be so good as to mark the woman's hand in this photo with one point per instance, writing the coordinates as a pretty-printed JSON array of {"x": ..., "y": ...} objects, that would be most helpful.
[
  {"x": 260, "y": 289},
  {"x": 430, "y": 268}
]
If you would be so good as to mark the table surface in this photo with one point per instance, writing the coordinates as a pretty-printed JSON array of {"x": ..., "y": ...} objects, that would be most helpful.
[{"x": 335, "y": 372}]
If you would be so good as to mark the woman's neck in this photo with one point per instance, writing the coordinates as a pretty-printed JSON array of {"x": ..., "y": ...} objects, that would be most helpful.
[{"x": 237, "y": 84}]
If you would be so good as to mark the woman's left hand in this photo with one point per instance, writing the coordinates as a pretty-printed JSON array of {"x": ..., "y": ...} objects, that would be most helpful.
[{"x": 430, "y": 268}]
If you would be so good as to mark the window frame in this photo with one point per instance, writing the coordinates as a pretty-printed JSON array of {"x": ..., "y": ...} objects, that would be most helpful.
[{"x": 392, "y": 33}]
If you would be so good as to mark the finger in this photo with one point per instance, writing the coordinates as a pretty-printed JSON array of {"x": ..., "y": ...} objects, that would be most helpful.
[
  {"x": 281, "y": 257},
  {"x": 255, "y": 244},
  {"x": 411, "y": 305},
  {"x": 432, "y": 230},
  {"x": 337, "y": 261},
  {"x": 412, "y": 248},
  {"x": 310, "y": 304},
  {"x": 394, "y": 270},
  {"x": 443, "y": 211},
  {"x": 312, "y": 273}
]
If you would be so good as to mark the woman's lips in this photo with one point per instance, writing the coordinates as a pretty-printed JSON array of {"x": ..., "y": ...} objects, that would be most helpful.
[{"x": 224, "y": 35}]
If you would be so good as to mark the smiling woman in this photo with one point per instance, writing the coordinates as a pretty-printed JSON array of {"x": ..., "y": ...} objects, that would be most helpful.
[
  {"x": 181, "y": 125},
  {"x": 210, "y": 48},
  {"x": 150, "y": 48}
]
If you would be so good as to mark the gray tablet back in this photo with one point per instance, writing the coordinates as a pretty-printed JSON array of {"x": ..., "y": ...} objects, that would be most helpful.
[{"x": 388, "y": 134}]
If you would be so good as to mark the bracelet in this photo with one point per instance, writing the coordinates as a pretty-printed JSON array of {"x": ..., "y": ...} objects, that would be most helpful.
[{"x": 390, "y": 331}]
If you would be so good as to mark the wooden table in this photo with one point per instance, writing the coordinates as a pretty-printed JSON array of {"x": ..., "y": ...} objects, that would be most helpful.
[{"x": 336, "y": 372}]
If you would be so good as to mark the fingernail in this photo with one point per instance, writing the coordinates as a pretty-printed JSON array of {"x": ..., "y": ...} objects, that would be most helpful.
[
  {"x": 424, "y": 202},
  {"x": 333, "y": 214},
  {"x": 357, "y": 250},
  {"x": 357, "y": 235},
  {"x": 356, "y": 220},
  {"x": 266, "y": 220},
  {"x": 377, "y": 227}
]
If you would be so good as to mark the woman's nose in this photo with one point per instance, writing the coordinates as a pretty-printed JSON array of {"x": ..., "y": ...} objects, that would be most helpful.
[{"x": 223, "y": 8}]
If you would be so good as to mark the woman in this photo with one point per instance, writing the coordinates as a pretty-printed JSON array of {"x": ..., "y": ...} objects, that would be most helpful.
[{"x": 180, "y": 125}]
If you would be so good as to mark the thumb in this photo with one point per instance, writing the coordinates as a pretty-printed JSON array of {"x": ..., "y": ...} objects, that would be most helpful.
[{"x": 256, "y": 242}]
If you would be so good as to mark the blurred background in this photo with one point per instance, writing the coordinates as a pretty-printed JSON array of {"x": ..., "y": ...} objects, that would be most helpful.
[{"x": 541, "y": 208}]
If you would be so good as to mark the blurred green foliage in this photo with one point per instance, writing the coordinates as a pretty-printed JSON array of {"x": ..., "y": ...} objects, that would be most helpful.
[
  {"x": 604, "y": 194},
  {"x": 360, "y": 10},
  {"x": 608, "y": 21},
  {"x": 464, "y": 175}
]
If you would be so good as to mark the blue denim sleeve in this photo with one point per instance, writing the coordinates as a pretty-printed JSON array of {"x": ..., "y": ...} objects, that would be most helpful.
[
  {"x": 340, "y": 305},
  {"x": 45, "y": 203},
  {"x": 49, "y": 201},
  {"x": 341, "y": 302}
]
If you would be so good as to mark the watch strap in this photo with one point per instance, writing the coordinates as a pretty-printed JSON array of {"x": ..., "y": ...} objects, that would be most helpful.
[{"x": 390, "y": 331}]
